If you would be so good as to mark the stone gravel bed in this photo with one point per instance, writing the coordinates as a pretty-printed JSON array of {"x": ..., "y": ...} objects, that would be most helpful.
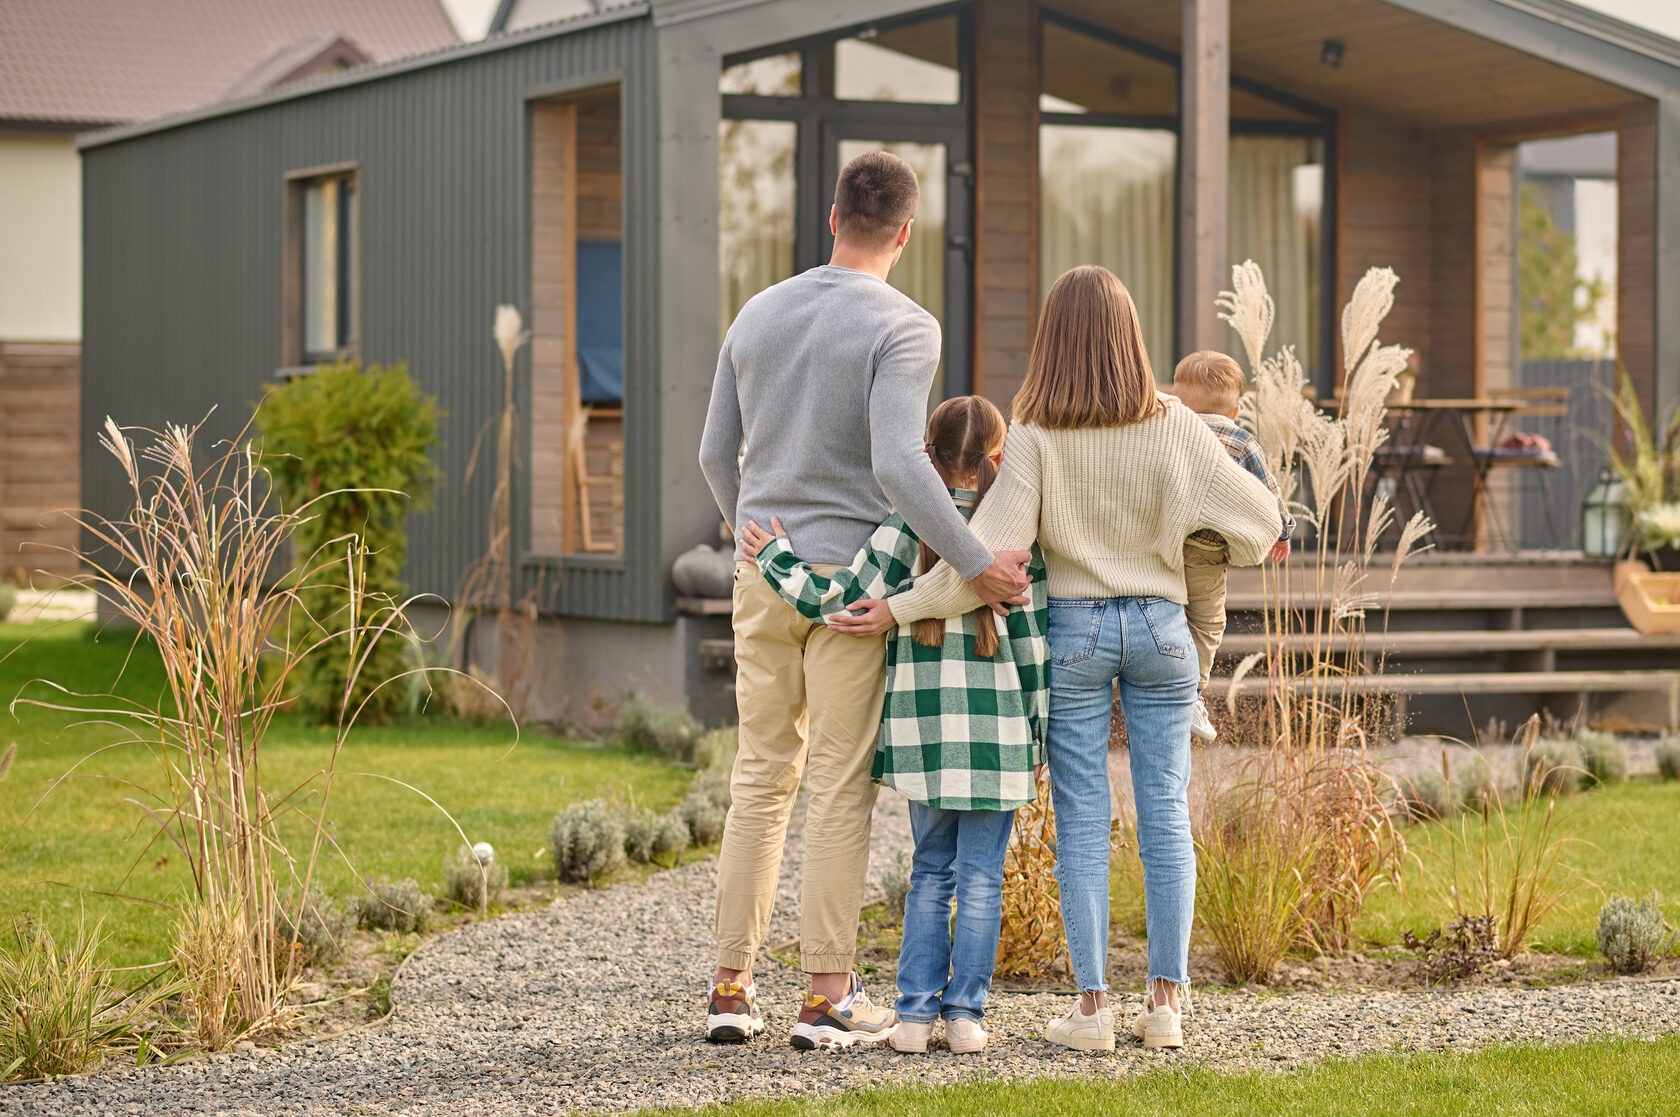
[{"x": 595, "y": 1003}]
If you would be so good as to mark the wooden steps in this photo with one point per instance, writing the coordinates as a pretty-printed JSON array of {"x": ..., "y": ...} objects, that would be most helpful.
[
  {"x": 1478, "y": 682},
  {"x": 1474, "y": 642},
  {"x": 1478, "y": 600}
]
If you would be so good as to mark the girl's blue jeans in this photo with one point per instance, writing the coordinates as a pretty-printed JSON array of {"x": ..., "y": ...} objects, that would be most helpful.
[
  {"x": 1144, "y": 643},
  {"x": 945, "y": 963}
]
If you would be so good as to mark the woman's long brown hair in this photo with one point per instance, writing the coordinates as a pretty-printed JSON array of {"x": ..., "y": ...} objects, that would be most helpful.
[
  {"x": 963, "y": 435},
  {"x": 1088, "y": 366}
]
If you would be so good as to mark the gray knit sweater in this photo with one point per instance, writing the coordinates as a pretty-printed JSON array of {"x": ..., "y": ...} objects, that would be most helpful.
[{"x": 818, "y": 414}]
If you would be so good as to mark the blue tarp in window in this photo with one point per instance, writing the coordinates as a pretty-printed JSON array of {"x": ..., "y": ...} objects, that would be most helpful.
[{"x": 600, "y": 321}]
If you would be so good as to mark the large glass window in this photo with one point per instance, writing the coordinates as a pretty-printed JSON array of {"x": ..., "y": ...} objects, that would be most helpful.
[
  {"x": 1087, "y": 75},
  {"x": 1107, "y": 196},
  {"x": 1274, "y": 215},
  {"x": 909, "y": 62},
  {"x": 755, "y": 210},
  {"x": 775, "y": 76},
  {"x": 330, "y": 267}
]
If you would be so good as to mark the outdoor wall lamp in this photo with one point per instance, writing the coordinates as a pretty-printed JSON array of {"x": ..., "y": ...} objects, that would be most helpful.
[{"x": 1330, "y": 54}]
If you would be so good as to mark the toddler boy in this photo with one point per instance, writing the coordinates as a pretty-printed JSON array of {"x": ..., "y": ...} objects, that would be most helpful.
[{"x": 1210, "y": 384}]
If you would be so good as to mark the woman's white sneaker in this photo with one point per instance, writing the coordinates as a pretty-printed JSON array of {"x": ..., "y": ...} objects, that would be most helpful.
[
  {"x": 912, "y": 1036},
  {"x": 1081, "y": 1032},
  {"x": 964, "y": 1036},
  {"x": 1158, "y": 1026}
]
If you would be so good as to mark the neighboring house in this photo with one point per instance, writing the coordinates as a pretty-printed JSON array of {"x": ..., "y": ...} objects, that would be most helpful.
[
  {"x": 68, "y": 66},
  {"x": 631, "y": 175}
]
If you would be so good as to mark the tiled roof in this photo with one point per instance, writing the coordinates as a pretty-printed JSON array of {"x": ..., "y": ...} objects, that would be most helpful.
[{"x": 109, "y": 61}]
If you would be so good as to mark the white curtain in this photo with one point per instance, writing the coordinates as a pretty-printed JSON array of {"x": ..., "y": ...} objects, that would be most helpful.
[
  {"x": 755, "y": 211},
  {"x": 1106, "y": 197},
  {"x": 1276, "y": 198}
]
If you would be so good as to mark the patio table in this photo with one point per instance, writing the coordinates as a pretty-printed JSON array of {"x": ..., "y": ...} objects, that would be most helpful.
[{"x": 1407, "y": 461}]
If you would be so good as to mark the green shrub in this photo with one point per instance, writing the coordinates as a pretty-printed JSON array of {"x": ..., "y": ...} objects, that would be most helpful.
[
  {"x": 1632, "y": 936},
  {"x": 1476, "y": 784},
  {"x": 716, "y": 748},
  {"x": 8, "y": 599},
  {"x": 1426, "y": 795},
  {"x": 358, "y": 443},
  {"x": 59, "y": 1009},
  {"x": 470, "y": 884},
  {"x": 587, "y": 839},
  {"x": 393, "y": 905},
  {"x": 895, "y": 882},
  {"x": 663, "y": 730},
  {"x": 703, "y": 817},
  {"x": 1668, "y": 757},
  {"x": 1553, "y": 766},
  {"x": 316, "y": 929},
  {"x": 654, "y": 838},
  {"x": 1603, "y": 756}
]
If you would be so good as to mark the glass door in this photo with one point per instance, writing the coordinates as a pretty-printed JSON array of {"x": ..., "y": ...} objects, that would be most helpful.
[{"x": 935, "y": 267}]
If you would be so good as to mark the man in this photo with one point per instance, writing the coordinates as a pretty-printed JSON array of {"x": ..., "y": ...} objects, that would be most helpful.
[{"x": 816, "y": 417}]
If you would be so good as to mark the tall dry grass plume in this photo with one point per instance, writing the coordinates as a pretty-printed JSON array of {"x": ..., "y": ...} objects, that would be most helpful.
[
  {"x": 197, "y": 565},
  {"x": 1030, "y": 943},
  {"x": 1298, "y": 836}
]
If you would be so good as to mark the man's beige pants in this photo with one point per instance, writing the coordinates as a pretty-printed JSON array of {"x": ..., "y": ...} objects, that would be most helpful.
[
  {"x": 1204, "y": 603},
  {"x": 810, "y": 702}
]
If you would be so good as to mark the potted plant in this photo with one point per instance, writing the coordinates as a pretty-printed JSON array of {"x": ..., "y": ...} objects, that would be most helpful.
[{"x": 1647, "y": 462}]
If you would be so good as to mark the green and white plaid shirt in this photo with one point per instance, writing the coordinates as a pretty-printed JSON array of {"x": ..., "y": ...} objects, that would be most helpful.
[{"x": 958, "y": 732}]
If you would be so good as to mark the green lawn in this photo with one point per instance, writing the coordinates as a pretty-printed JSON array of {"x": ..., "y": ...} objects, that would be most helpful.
[
  {"x": 84, "y": 836},
  {"x": 1610, "y": 1078},
  {"x": 1626, "y": 839}
]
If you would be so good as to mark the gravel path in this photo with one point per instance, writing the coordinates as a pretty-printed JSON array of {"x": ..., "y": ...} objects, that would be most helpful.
[{"x": 595, "y": 1003}]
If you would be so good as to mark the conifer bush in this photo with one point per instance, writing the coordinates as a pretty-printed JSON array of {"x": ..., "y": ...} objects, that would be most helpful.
[{"x": 358, "y": 442}]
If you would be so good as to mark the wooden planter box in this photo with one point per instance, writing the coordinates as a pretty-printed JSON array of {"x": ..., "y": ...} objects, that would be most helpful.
[{"x": 1651, "y": 602}]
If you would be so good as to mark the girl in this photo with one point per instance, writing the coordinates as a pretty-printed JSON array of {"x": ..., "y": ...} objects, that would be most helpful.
[
  {"x": 962, "y": 731},
  {"x": 1111, "y": 478}
]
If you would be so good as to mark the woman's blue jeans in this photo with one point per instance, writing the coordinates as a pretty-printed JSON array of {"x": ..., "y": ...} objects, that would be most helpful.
[
  {"x": 959, "y": 856},
  {"x": 1144, "y": 643}
]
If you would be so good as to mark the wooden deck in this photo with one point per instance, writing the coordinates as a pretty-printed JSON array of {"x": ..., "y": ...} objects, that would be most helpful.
[{"x": 40, "y": 458}]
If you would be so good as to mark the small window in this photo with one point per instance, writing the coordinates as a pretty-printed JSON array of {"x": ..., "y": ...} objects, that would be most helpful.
[
  {"x": 776, "y": 76},
  {"x": 327, "y": 275},
  {"x": 911, "y": 62}
]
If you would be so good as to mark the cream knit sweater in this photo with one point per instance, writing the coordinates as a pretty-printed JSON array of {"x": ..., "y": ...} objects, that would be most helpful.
[{"x": 1111, "y": 507}]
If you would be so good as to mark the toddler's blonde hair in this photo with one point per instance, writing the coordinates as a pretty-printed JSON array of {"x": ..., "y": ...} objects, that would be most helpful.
[{"x": 1209, "y": 382}]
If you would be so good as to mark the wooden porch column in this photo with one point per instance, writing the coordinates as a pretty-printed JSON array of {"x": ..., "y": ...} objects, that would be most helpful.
[
  {"x": 1005, "y": 194},
  {"x": 1203, "y": 158}
]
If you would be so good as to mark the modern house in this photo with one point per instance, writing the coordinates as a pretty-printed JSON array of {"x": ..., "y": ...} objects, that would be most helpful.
[
  {"x": 629, "y": 176},
  {"x": 69, "y": 67}
]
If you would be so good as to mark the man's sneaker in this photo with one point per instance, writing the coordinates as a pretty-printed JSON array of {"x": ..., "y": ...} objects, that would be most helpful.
[
  {"x": 1158, "y": 1025},
  {"x": 963, "y": 1035},
  {"x": 1081, "y": 1032},
  {"x": 1201, "y": 726},
  {"x": 732, "y": 1014},
  {"x": 912, "y": 1036},
  {"x": 823, "y": 1024}
]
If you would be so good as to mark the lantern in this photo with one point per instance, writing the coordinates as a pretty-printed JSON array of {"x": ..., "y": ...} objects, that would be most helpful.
[{"x": 1603, "y": 516}]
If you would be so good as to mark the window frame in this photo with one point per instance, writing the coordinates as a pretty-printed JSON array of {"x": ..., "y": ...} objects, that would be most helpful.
[
  {"x": 296, "y": 357},
  {"x": 1325, "y": 127}
]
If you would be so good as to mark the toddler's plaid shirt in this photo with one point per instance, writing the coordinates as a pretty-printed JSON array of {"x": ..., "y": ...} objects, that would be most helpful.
[{"x": 1245, "y": 450}]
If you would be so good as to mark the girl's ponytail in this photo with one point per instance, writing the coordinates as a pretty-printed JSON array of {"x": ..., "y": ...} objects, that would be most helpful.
[{"x": 964, "y": 435}]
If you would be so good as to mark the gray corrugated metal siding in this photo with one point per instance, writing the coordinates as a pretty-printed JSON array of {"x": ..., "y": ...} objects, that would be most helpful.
[{"x": 182, "y": 266}]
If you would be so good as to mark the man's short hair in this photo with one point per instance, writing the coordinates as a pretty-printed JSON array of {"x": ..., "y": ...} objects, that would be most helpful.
[
  {"x": 877, "y": 193},
  {"x": 1209, "y": 382}
]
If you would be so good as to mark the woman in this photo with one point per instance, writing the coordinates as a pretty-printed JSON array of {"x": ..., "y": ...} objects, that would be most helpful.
[{"x": 1109, "y": 478}]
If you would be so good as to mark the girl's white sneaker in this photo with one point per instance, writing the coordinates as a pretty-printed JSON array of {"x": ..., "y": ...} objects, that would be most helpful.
[
  {"x": 1158, "y": 1026},
  {"x": 912, "y": 1036},
  {"x": 964, "y": 1036},
  {"x": 1081, "y": 1032}
]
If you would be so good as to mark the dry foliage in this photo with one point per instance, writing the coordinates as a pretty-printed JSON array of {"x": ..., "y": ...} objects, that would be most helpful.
[
  {"x": 1031, "y": 939},
  {"x": 1291, "y": 848},
  {"x": 191, "y": 565}
]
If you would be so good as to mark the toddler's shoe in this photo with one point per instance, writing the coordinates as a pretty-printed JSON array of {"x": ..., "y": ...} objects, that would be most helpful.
[
  {"x": 856, "y": 1019},
  {"x": 1201, "y": 726},
  {"x": 963, "y": 1035},
  {"x": 732, "y": 1014},
  {"x": 1081, "y": 1032},
  {"x": 912, "y": 1036}
]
